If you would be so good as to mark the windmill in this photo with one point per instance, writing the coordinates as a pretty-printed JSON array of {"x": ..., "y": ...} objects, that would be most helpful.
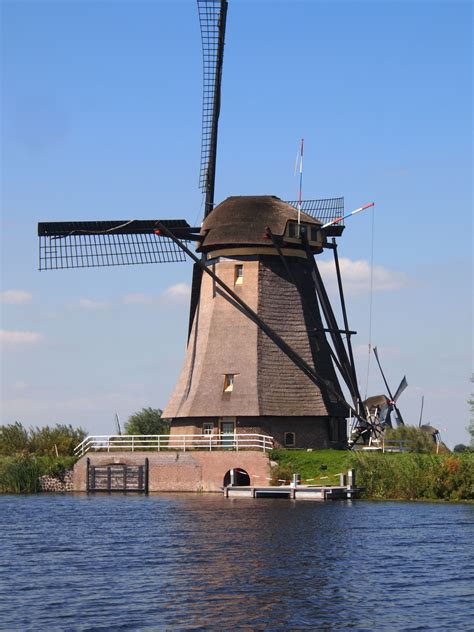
[
  {"x": 258, "y": 357},
  {"x": 382, "y": 407}
]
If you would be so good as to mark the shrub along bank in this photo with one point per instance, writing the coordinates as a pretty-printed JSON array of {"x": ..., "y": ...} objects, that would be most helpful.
[
  {"x": 404, "y": 476},
  {"x": 412, "y": 476},
  {"x": 19, "y": 474},
  {"x": 26, "y": 454}
]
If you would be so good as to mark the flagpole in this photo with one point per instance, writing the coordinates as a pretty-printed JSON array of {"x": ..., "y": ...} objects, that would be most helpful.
[{"x": 301, "y": 184}]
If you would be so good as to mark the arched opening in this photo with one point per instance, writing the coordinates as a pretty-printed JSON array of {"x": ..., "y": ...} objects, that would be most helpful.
[{"x": 241, "y": 478}]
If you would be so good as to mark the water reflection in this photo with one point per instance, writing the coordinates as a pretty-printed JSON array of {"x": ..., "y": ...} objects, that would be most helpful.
[{"x": 206, "y": 563}]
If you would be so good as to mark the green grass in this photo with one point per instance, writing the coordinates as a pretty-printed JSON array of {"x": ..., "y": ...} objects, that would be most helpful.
[
  {"x": 320, "y": 465},
  {"x": 404, "y": 476}
]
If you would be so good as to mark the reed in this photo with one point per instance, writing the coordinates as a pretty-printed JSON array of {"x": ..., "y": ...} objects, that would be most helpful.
[
  {"x": 413, "y": 476},
  {"x": 404, "y": 476},
  {"x": 20, "y": 474}
]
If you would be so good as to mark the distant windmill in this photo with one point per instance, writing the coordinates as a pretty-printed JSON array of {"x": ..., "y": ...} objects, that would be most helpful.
[
  {"x": 258, "y": 358},
  {"x": 380, "y": 408},
  {"x": 430, "y": 430}
]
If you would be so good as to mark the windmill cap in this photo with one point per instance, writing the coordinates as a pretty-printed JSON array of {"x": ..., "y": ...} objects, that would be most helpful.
[{"x": 243, "y": 220}]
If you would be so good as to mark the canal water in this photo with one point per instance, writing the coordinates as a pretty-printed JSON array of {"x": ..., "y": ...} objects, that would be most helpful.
[{"x": 201, "y": 562}]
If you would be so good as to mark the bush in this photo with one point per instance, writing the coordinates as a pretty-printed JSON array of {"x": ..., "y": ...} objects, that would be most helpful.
[
  {"x": 46, "y": 440},
  {"x": 460, "y": 447},
  {"x": 20, "y": 474},
  {"x": 59, "y": 440},
  {"x": 419, "y": 441},
  {"x": 415, "y": 476}
]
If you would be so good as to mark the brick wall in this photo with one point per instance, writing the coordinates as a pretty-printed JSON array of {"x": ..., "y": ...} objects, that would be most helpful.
[{"x": 192, "y": 471}]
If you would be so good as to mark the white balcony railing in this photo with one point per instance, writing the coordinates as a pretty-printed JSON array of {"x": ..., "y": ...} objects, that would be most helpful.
[{"x": 181, "y": 442}]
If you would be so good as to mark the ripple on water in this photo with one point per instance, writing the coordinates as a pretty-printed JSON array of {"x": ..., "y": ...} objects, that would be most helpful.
[{"x": 202, "y": 562}]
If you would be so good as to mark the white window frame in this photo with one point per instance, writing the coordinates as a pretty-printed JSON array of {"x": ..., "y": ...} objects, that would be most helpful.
[{"x": 208, "y": 428}]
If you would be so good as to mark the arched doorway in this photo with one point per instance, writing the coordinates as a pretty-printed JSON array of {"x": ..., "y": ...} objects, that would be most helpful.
[{"x": 241, "y": 478}]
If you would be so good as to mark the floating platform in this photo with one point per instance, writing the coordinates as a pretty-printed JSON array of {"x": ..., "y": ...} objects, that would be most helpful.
[{"x": 300, "y": 492}]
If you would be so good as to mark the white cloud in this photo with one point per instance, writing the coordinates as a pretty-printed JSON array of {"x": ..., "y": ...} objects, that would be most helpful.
[
  {"x": 356, "y": 276},
  {"x": 138, "y": 299},
  {"x": 15, "y": 297},
  {"x": 177, "y": 293},
  {"x": 12, "y": 337},
  {"x": 91, "y": 304}
]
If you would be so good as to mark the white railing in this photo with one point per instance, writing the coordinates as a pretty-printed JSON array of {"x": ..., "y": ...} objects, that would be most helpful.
[
  {"x": 388, "y": 445},
  {"x": 182, "y": 442}
]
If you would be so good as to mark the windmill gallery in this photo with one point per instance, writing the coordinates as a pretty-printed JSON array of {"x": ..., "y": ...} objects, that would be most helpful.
[{"x": 266, "y": 358}]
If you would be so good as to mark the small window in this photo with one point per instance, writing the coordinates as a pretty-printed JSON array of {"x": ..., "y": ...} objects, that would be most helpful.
[
  {"x": 228, "y": 382},
  {"x": 239, "y": 275},
  {"x": 314, "y": 233},
  {"x": 289, "y": 439},
  {"x": 207, "y": 428},
  {"x": 292, "y": 229}
]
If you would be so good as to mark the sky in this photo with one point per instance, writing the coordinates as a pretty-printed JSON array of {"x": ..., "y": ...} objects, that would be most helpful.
[{"x": 101, "y": 119}]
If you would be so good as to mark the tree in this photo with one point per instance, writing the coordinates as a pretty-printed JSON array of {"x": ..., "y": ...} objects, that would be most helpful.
[
  {"x": 460, "y": 447},
  {"x": 147, "y": 421}
]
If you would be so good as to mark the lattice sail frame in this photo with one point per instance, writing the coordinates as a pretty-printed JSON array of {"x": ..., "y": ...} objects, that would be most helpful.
[
  {"x": 325, "y": 210},
  {"x": 212, "y": 16},
  {"x": 109, "y": 243}
]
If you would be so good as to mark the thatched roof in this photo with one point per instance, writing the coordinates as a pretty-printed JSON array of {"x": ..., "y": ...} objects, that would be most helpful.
[{"x": 242, "y": 220}]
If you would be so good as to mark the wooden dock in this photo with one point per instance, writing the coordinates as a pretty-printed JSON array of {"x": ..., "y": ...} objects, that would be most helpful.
[{"x": 298, "y": 492}]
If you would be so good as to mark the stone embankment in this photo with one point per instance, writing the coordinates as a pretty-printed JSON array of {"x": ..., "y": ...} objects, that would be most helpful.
[{"x": 55, "y": 484}]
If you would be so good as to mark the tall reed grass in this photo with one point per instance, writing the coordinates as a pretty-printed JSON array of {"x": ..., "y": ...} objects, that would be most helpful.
[
  {"x": 19, "y": 474},
  {"x": 412, "y": 476}
]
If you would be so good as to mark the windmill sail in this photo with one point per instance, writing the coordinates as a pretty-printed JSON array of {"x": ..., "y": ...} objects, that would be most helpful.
[
  {"x": 402, "y": 386},
  {"x": 212, "y": 18},
  {"x": 325, "y": 209},
  {"x": 108, "y": 243},
  {"x": 400, "y": 389}
]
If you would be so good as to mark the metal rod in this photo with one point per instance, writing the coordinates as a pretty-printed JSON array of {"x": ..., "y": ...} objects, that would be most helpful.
[
  {"x": 344, "y": 315},
  {"x": 331, "y": 320}
]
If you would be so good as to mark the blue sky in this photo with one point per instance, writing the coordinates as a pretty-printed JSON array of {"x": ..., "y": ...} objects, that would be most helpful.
[{"x": 101, "y": 117}]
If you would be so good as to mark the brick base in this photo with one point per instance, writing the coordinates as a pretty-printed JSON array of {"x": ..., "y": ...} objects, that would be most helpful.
[{"x": 193, "y": 471}]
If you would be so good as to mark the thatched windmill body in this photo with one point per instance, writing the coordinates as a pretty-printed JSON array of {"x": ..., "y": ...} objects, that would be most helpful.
[
  {"x": 257, "y": 359},
  {"x": 235, "y": 378}
]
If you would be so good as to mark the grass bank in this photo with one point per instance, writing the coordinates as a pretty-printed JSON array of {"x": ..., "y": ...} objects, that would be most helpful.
[
  {"x": 19, "y": 474},
  {"x": 319, "y": 466},
  {"x": 406, "y": 476}
]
